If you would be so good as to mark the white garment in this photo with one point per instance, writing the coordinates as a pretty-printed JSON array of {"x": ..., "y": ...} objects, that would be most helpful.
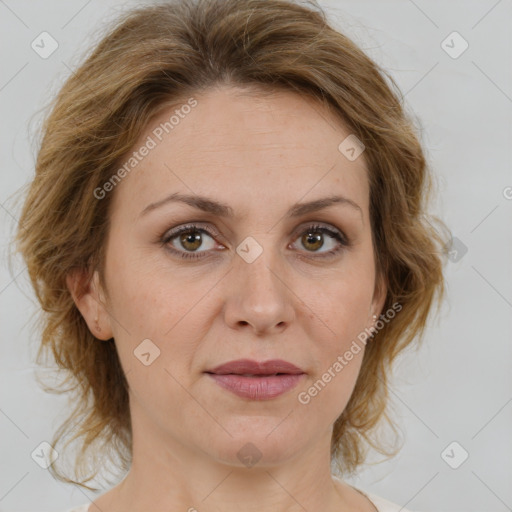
[{"x": 381, "y": 504}]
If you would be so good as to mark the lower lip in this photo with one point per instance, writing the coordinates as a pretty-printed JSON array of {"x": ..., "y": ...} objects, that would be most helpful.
[{"x": 257, "y": 388}]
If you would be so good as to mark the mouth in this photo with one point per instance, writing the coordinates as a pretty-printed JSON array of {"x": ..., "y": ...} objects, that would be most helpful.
[{"x": 257, "y": 380}]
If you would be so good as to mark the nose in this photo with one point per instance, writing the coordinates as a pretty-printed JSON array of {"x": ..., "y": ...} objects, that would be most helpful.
[{"x": 258, "y": 296}]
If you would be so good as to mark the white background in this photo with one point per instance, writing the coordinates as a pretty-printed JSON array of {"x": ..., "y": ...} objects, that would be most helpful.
[{"x": 458, "y": 387}]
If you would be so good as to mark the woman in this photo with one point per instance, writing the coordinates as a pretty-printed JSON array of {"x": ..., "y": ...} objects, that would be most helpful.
[{"x": 226, "y": 232}]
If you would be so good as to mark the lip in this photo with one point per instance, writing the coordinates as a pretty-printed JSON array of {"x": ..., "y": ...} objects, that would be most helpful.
[
  {"x": 248, "y": 366},
  {"x": 257, "y": 380}
]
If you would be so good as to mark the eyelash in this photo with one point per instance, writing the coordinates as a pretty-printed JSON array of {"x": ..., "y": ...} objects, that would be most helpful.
[{"x": 170, "y": 235}]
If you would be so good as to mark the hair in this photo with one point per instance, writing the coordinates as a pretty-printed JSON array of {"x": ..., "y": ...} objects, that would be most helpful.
[{"x": 158, "y": 55}]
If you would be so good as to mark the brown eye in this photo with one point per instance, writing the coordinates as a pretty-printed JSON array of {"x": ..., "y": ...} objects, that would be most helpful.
[
  {"x": 315, "y": 237},
  {"x": 187, "y": 240},
  {"x": 312, "y": 240},
  {"x": 190, "y": 240}
]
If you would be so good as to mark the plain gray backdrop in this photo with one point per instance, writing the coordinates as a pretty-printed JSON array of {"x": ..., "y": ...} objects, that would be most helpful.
[{"x": 458, "y": 387}]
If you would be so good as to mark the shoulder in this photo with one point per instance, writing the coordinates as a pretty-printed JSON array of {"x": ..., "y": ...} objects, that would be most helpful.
[{"x": 382, "y": 504}]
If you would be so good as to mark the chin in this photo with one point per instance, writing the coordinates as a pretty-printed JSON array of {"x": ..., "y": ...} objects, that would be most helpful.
[{"x": 262, "y": 446}]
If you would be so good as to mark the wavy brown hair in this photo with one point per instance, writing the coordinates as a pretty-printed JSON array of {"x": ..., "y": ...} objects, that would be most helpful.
[{"x": 157, "y": 55}]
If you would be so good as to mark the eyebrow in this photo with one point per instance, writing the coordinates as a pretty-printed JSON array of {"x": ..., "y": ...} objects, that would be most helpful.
[{"x": 208, "y": 205}]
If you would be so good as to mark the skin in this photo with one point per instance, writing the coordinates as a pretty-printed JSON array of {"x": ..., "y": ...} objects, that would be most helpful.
[{"x": 260, "y": 155}]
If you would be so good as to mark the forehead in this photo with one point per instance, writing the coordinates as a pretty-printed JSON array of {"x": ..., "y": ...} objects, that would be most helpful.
[{"x": 247, "y": 148}]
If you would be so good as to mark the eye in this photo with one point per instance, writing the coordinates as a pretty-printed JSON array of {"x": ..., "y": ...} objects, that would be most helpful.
[
  {"x": 314, "y": 236},
  {"x": 188, "y": 238},
  {"x": 185, "y": 241}
]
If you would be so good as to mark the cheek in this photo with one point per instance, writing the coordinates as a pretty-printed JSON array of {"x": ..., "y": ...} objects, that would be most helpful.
[
  {"x": 341, "y": 307},
  {"x": 339, "y": 315},
  {"x": 326, "y": 395},
  {"x": 142, "y": 292},
  {"x": 151, "y": 303},
  {"x": 337, "y": 350}
]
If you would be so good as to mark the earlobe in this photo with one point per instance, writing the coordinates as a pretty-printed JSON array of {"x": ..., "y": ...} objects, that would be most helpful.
[{"x": 87, "y": 296}]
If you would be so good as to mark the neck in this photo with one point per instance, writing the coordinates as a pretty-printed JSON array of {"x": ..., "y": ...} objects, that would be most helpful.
[{"x": 180, "y": 477}]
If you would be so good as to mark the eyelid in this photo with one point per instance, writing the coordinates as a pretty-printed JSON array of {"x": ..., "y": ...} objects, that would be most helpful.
[
  {"x": 320, "y": 224},
  {"x": 210, "y": 229}
]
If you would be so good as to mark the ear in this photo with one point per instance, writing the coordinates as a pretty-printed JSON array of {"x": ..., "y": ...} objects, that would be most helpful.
[{"x": 89, "y": 298}]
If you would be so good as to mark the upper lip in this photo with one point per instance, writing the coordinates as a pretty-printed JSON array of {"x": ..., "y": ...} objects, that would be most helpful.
[{"x": 250, "y": 367}]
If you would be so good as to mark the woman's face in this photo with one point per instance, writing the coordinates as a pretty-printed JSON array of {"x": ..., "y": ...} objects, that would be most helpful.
[{"x": 251, "y": 284}]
